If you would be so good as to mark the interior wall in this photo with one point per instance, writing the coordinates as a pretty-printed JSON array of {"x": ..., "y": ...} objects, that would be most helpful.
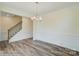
[
  {"x": 1, "y": 31},
  {"x": 7, "y": 22},
  {"x": 60, "y": 27},
  {"x": 27, "y": 24},
  {"x": 11, "y": 21},
  {"x": 27, "y": 27}
]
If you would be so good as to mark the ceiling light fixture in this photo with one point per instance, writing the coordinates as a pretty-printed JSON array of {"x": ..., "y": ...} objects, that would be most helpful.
[{"x": 37, "y": 16}]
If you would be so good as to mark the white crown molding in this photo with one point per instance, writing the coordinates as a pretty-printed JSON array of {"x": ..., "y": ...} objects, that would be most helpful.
[{"x": 14, "y": 11}]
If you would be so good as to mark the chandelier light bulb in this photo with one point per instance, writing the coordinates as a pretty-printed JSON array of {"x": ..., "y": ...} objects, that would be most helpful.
[{"x": 36, "y": 18}]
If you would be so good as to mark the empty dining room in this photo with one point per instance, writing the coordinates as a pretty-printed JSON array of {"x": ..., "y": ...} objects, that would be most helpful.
[{"x": 39, "y": 28}]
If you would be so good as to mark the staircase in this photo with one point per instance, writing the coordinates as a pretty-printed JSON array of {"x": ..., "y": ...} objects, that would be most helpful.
[{"x": 14, "y": 30}]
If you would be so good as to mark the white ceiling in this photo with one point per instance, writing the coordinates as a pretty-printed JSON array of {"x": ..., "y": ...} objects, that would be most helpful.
[{"x": 44, "y": 7}]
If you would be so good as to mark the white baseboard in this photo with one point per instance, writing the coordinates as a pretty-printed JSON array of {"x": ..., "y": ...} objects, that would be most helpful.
[{"x": 67, "y": 41}]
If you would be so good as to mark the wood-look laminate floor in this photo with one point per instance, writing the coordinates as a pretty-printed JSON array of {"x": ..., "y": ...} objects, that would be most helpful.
[{"x": 28, "y": 47}]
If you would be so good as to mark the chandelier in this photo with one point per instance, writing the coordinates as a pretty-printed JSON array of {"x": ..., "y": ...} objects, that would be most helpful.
[{"x": 37, "y": 16}]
